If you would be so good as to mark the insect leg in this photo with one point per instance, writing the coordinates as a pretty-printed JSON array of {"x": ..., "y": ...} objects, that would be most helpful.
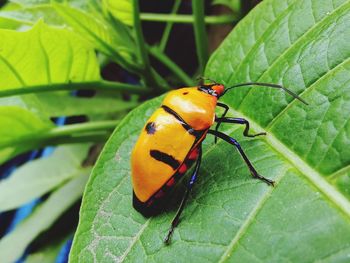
[
  {"x": 222, "y": 105},
  {"x": 191, "y": 182},
  {"x": 232, "y": 141},
  {"x": 238, "y": 121}
]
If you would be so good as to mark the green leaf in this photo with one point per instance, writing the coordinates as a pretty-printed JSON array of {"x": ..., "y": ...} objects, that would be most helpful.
[
  {"x": 81, "y": 4},
  {"x": 48, "y": 253},
  {"x": 121, "y": 10},
  {"x": 24, "y": 12},
  {"x": 230, "y": 217},
  {"x": 114, "y": 41},
  {"x": 43, "y": 56},
  {"x": 19, "y": 128},
  {"x": 5, "y": 22},
  {"x": 13, "y": 245},
  {"x": 235, "y": 5},
  {"x": 31, "y": 15},
  {"x": 40, "y": 176},
  {"x": 37, "y": 58},
  {"x": 56, "y": 104}
]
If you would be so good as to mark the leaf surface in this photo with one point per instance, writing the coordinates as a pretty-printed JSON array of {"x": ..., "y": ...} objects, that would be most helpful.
[
  {"x": 113, "y": 40},
  {"x": 57, "y": 104},
  {"x": 13, "y": 245},
  {"x": 18, "y": 129},
  {"x": 38, "y": 57},
  {"x": 230, "y": 217},
  {"x": 122, "y": 10},
  {"x": 40, "y": 176},
  {"x": 42, "y": 56}
]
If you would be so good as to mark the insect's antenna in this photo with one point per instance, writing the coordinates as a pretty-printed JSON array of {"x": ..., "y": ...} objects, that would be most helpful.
[{"x": 271, "y": 85}]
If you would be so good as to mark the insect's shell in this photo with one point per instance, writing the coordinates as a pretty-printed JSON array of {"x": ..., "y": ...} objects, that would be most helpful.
[{"x": 166, "y": 141}]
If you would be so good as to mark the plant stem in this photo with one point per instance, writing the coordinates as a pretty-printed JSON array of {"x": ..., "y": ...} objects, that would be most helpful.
[
  {"x": 168, "y": 27},
  {"x": 93, "y": 85},
  {"x": 200, "y": 33},
  {"x": 97, "y": 131},
  {"x": 87, "y": 127},
  {"x": 84, "y": 138},
  {"x": 187, "y": 19},
  {"x": 158, "y": 54},
  {"x": 148, "y": 74}
]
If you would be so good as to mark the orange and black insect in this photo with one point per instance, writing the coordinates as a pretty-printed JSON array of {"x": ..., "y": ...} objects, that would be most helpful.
[{"x": 170, "y": 143}]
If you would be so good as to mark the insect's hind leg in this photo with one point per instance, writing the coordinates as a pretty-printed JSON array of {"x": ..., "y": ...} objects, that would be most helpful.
[
  {"x": 238, "y": 121},
  {"x": 232, "y": 141},
  {"x": 190, "y": 184}
]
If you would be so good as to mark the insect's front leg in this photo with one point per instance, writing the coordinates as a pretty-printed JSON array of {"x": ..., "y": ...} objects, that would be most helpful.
[{"x": 239, "y": 121}]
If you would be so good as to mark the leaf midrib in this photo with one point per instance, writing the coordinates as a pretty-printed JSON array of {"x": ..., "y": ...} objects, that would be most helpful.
[
  {"x": 241, "y": 231},
  {"x": 333, "y": 196},
  {"x": 307, "y": 171}
]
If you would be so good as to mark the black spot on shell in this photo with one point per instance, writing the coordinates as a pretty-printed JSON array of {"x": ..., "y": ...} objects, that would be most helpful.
[
  {"x": 150, "y": 128},
  {"x": 185, "y": 93}
]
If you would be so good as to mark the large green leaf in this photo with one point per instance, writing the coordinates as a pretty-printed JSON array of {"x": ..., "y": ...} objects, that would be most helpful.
[
  {"x": 43, "y": 56},
  {"x": 230, "y": 217},
  {"x": 37, "y": 58}
]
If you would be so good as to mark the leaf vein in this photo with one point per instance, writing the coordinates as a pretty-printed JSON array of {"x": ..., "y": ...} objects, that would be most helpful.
[
  {"x": 13, "y": 70},
  {"x": 306, "y": 91},
  {"x": 292, "y": 47},
  {"x": 250, "y": 219},
  {"x": 261, "y": 39}
]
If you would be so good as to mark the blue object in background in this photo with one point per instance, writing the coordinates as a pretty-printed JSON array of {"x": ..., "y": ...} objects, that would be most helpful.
[
  {"x": 63, "y": 255},
  {"x": 26, "y": 209}
]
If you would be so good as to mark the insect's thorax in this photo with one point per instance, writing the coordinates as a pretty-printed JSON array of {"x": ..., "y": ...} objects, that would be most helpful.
[{"x": 195, "y": 107}]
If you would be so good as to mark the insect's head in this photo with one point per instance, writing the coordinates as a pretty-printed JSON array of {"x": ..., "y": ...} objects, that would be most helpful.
[
  {"x": 218, "y": 90},
  {"x": 215, "y": 89}
]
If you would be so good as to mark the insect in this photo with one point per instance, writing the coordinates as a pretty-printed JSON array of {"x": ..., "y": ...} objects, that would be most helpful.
[{"x": 171, "y": 141}]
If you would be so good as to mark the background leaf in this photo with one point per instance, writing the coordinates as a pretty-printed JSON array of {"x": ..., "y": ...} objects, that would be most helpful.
[
  {"x": 234, "y": 5},
  {"x": 19, "y": 129},
  {"x": 44, "y": 56},
  {"x": 41, "y": 219},
  {"x": 114, "y": 41},
  {"x": 122, "y": 10},
  {"x": 56, "y": 104},
  {"x": 48, "y": 253},
  {"x": 39, "y": 57},
  {"x": 40, "y": 176},
  {"x": 305, "y": 46},
  {"x": 18, "y": 13}
]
